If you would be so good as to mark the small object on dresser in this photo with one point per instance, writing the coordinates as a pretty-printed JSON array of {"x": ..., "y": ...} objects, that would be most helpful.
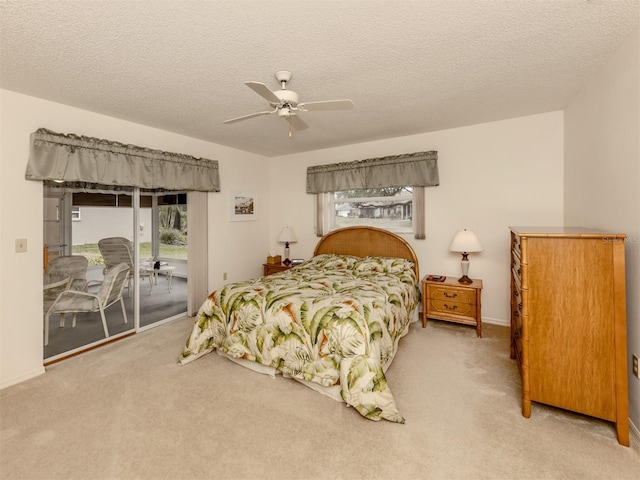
[
  {"x": 436, "y": 278},
  {"x": 297, "y": 261}
]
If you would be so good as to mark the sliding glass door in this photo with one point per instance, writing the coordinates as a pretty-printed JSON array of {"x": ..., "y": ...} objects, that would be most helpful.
[{"x": 146, "y": 230}]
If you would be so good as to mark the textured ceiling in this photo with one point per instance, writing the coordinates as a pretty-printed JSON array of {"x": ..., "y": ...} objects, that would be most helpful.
[{"x": 409, "y": 66}]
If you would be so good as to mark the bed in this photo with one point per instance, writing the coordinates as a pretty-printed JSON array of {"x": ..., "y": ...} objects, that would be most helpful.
[{"x": 333, "y": 323}]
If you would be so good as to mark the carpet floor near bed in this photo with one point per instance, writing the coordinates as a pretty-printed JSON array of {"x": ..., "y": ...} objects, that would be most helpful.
[{"x": 127, "y": 410}]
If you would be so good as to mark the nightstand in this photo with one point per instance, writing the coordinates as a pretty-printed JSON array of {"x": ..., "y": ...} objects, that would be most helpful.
[
  {"x": 452, "y": 301},
  {"x": 271, "y": 268}
]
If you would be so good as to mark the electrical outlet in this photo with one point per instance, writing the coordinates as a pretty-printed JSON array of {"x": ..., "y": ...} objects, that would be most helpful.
[
  {"x": 634, "y": 360},
  {"x": 224, "y": 277}
]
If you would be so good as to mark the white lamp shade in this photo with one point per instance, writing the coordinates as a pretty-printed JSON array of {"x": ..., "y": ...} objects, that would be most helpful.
[
  {"x": 287, "y": 235},
  {"x": 465, "y": 241}
]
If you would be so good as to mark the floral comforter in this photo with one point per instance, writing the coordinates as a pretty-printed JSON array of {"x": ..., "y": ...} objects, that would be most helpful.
[{"x": 334, "y": 320}]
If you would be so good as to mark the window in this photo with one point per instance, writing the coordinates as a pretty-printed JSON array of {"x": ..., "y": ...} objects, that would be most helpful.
[
  {"x": 75, "y": 214},
  {"x": 390, "y": 208}
]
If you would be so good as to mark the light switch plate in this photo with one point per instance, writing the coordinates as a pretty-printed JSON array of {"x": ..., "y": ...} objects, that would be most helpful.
[{"x": 21, "y": 245}]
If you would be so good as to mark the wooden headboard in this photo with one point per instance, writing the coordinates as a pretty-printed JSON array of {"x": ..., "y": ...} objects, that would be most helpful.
[{"x": 366, "y": 241}]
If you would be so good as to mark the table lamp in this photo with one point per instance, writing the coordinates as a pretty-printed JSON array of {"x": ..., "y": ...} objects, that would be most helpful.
[
  {"x": 287, "y": 236},
  {"x": 465, "y": 242}
]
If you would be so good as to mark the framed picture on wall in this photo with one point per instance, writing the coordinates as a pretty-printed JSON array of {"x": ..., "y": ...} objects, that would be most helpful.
[{"x": 244, "y": 207}]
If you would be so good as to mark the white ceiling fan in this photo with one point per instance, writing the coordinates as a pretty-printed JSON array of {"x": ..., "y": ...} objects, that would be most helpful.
[{"x": 285, "y": 103}]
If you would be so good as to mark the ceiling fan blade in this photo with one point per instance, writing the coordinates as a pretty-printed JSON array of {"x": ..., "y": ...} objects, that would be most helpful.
[
  {"x": 297, "y": 123},
  {"x": 262, "y": 90},
  {"x": 326, "y": 105},
  {"x": 246, "y": 117}
]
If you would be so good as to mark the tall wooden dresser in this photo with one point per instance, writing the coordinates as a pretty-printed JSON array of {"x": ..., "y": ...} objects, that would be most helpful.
[{"x": 568, "y": 321}]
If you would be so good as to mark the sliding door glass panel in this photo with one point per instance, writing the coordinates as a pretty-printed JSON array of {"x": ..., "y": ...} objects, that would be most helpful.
[
  {"x": 86, "y": 219},
  {"x": 163, "y": 255}
]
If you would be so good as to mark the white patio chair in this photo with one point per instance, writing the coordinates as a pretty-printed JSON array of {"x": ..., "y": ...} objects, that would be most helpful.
[
  {"x": 72, "y": 266},
  {"x": 116, "y": 250},
  {"x": 73, "y": 301}
]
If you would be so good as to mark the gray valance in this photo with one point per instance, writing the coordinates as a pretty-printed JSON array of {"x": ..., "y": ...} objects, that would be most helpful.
[
  {"x": 418, "y": 169},
  {"x": 74, "y": 158}
]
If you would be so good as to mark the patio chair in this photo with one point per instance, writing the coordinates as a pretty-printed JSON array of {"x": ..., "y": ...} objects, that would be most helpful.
[
  {"x": 72, "y": 266},
  {"x": 114, "y": 251},
  {"x": 73, "y": 301}
]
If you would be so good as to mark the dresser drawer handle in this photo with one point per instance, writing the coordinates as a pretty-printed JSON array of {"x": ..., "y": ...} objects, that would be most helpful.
[
  {"x": 449, "y": 295},
  {"x": 455, "y": 307}
]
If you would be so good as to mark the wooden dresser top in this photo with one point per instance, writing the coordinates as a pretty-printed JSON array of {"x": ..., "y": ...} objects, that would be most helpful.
[{"x": 564, "y": 232}]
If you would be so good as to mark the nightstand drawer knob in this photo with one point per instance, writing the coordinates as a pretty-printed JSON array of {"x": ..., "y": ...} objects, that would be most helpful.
[{"x": 449, "y": 295}]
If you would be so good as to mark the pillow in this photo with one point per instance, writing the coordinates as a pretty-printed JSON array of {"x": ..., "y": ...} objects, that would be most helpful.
[
  {"x": 396, "y": 265},
  {"x": 369, "y": 264},
  {"x": 383, "y": 265},
  {"x": 330, "y": 261}
]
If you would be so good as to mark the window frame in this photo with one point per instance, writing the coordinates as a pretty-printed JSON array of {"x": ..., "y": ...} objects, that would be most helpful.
[{"x": 76, "y": 214}]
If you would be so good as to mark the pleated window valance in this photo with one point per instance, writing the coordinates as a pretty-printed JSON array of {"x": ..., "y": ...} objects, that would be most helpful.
[
  {"x": 418, "y": 169},
  {"x": 75, "y": 159}
]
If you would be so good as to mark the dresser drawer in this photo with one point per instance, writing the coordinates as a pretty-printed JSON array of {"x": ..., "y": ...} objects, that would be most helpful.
[{"x": 452, "y": 294}]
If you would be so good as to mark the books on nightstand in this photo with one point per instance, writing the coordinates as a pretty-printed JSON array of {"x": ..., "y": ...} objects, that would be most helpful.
[{"x": 436, "y": 278}]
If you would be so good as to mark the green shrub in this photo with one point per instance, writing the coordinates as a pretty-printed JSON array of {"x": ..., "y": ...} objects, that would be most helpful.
[{"x": 171, "y": 236}]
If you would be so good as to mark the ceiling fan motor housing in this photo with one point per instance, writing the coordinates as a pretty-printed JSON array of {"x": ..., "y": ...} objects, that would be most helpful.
[{"x": 286, "y": 97}]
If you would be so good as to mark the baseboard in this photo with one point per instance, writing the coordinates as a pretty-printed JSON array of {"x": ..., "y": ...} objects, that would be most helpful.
[
  {"x": 496, "y": 321},
  {"x": 634, "y": 434},
  {"x": 22, "y": 378},
  {"x": 492, "y": 321}
]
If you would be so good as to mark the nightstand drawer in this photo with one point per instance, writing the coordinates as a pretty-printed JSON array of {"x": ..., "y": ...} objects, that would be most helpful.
[
  {"x": 454, "y": 308},
  {"x": 457, "y": 295}
]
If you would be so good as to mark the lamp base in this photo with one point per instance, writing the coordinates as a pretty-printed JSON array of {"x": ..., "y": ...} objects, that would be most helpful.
[
  {"x": 464, "y": 279},
  {"x": 286, "y": 261}
]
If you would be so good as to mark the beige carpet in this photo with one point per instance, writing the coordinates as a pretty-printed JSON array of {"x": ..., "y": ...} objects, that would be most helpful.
[{"x": 128, "y": 411}]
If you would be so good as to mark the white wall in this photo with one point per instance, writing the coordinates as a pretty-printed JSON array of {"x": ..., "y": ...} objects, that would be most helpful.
[
  {"x": 100, "y": 222},
  {"x": 602, "y": 172},
  {"x": 492, "y": 176},
  {"x": 237, "y": 248}
]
